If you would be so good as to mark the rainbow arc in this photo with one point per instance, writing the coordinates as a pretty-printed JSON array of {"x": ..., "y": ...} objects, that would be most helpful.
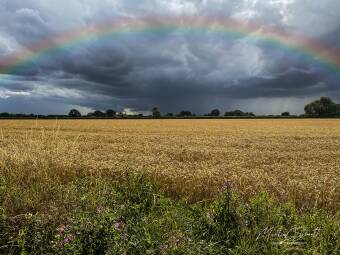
[{"x": 316, "y": 51}]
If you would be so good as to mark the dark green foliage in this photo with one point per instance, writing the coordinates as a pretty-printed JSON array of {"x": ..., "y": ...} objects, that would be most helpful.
[
  {"x": 239, "y": 113},
  {"x": 185, "y": 114},
  {"x": 98, "y": 114},
  {"x": 4, "y": 114},
  {"x": 324, "y": 107},
  {"x": 131, "y": 216},
  {"x": 285, "y": 114},
  {"x": 156, "y": 113},
  {"x": 110, "y": 113},
  {"x": 74, "y": 113},
  {"x": 338, "y": 110},
  {"x": 215, "y": 112}
]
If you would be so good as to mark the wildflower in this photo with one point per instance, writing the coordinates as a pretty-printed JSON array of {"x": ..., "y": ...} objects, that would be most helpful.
[
  {"x": 119, "y": 225},
  {"x": 61, "y": 229},
  {"x": 67, "y": 240},
  {"x": 227, "y": 186},
  {"x": 177, "y": 242}
]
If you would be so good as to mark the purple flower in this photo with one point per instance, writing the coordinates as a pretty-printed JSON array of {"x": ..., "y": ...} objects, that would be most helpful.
[
  {"x": 119, "y": 225},
  {"x": 227, "y": 186},
  {"x": 177, "y": 241},
  {"x": 67, "y": 240},
  {"x": 61, "y": 229}
]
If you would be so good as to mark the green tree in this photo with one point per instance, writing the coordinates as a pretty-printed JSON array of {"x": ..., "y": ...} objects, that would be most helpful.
[
  {"x": 239, "y": 113},
  {"x": 285, "y": 114},
  {"x": 185, "y": 114},
  {"x": 156, "y": 113},
  {"x": 337, "y": 110},
  {"x": 110, "y": 113},
  {"x": 74, "y": 113},
  {"x": 98, "y": 114},
  {"x": 323, "y": 107},
  {"x": 309, "y": 109},
  {"x": 215, "y": 112}
]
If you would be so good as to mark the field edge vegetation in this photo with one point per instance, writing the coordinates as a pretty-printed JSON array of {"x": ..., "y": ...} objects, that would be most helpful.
[{"x": 129, "y": 215}]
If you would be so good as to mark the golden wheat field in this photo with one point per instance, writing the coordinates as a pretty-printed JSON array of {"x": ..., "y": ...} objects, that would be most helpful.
[{"x": 294, "y": 160}]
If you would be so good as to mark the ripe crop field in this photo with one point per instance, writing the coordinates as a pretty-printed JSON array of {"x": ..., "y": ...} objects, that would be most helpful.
[
  {"x": 42, "y": 162},
  {"x": 296, "y": 160}
]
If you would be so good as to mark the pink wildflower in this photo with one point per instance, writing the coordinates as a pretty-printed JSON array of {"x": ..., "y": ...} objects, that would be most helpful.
[
  {"x": 119, "y": 225},
  {"x": 61, "y": 229},
  {"x": 67, "y": 240},
  {"x": 177, "y": 241}
]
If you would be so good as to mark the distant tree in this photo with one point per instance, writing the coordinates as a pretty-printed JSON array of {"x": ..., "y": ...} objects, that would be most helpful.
[
  {"x": 5, "y": 115},
  {"x": 324, "y": 107},
  {"x": 98, "y": 114},
  {"x": 239, "y": 113},
  {"x": 337, "y": 110},
  {"x": 215, "y": 112},
  {"x": 110, "y": 113},
  {"x": 74, "y": 113},
  {"x": 285, "y": 114},
  {"x": 234, "y": 113},
  {"x": 310, "y": 109},
  {"x": 185, "y": 114},
  {"x": 170, "y": 114},
  {"x": 156, "y": 113}
]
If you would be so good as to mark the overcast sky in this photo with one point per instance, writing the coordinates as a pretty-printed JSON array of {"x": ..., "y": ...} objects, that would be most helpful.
[{"x": 175, "y": 71}]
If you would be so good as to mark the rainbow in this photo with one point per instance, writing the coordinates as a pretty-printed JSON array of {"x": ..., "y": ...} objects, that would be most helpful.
[{"x": 313, "y": 50}]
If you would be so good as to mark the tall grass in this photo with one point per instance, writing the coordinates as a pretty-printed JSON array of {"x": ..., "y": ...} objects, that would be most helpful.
[
  {"x": 35, "y": 171},
  {"x": 131, "y": 216}
]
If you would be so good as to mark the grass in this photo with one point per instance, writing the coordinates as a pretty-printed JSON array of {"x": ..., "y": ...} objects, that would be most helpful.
[
  {"x": 129, "y": 215},
  {"x": 158, "y": 187}
]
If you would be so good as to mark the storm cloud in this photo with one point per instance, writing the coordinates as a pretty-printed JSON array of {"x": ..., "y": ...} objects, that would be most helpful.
[{"x": 174, "y": 70}]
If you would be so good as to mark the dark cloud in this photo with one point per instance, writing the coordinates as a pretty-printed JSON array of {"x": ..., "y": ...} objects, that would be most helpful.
[{"x": 175, "y": 70}]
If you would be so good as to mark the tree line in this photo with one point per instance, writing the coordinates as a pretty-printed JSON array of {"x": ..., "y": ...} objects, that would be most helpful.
[
  {"x": 156, "y": 113},
  {"x": 323, "y": 107}
]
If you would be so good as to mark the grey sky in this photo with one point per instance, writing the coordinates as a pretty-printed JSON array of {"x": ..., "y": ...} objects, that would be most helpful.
[{"x": 174, "y": 71}]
